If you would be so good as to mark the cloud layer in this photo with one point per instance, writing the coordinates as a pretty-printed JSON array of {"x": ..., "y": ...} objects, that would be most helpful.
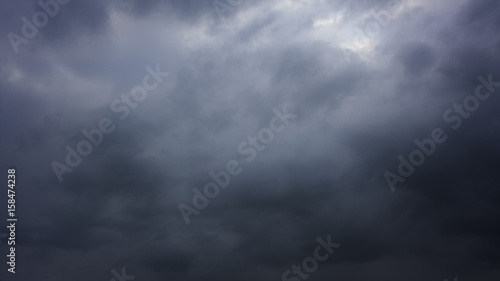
[{"x": 361, "y": 96}]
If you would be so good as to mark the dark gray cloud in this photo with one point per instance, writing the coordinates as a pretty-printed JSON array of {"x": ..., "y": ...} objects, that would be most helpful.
[{"x": 323, "y": 174}]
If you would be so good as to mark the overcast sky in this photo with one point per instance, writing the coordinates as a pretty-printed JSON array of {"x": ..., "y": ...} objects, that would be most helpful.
[{"x": 348, "y": 94}]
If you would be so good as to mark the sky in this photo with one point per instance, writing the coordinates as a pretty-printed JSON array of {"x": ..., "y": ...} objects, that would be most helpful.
[{"x": 250, "y": 140}]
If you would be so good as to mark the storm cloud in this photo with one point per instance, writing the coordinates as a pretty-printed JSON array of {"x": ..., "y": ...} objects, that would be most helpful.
[{"x": 363, "y": 80}]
